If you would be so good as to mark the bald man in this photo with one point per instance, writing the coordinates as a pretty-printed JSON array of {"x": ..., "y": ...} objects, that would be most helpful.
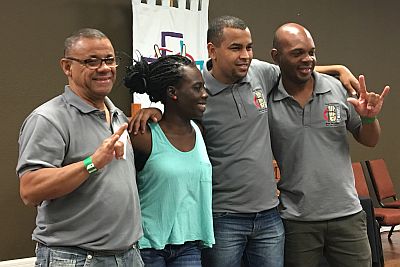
[{"x": 309, "y": 116}]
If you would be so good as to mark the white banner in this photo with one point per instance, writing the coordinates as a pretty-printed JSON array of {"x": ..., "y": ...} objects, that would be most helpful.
[{"x": 175, "y": 30}]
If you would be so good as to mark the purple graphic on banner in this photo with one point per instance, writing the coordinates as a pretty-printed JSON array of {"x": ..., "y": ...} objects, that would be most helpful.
[{"x": 165, "y": 51}]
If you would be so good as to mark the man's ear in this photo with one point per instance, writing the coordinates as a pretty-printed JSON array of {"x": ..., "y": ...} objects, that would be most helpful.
[
  {"x": 211, "y": 50},
  {"x": 66, "y": 66},
  {"x": 274, "y": 55}
]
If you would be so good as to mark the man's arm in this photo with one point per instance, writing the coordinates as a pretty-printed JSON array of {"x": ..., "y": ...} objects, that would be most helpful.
[
  {"x": 369, "y": 134},
  {"x": 50, "y": 183},
  {"x": 345, "y": 76},
  {"x": 368, "y": 106}
]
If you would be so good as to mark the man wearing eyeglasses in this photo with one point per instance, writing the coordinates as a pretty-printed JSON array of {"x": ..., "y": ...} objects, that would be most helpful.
[{"x": 76, "y": 167}]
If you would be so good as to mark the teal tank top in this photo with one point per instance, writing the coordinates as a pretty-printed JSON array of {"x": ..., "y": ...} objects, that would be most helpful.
[{"x": 175, "y": 193}]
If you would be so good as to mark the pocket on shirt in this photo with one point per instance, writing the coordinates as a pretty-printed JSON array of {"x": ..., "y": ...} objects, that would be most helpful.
[{"x": 206, "y": 169}]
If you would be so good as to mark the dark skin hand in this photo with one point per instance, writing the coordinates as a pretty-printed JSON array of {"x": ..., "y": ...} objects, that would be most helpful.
[{"x": 138, "y": 123}]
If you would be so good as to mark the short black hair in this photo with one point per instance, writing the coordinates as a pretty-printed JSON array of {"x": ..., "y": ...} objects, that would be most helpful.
[{"x": 216, "y": 28}]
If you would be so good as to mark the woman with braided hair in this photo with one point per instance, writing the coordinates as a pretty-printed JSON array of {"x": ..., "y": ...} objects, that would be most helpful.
[{"x": 174, "y": 172}]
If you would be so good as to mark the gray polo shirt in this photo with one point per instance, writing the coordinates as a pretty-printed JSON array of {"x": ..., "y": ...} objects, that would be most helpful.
[
  {"x": 312, "y": 151},
  {"x": 238, "y": 141},
  {"x": 101, "y": 214}
]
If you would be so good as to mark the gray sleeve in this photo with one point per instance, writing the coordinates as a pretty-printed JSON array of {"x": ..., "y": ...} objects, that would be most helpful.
[
  {"x": 353, "y": 122},
  {"x": 41, "y": 145}
]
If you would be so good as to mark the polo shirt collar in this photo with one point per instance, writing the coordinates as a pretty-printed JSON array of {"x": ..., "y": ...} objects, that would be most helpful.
[
  {"x": 213, "y": 85},
  {"x": 74, "y": 100},
  {"x": 317, "y": 81},
  {"x": 282, "y": 94}
]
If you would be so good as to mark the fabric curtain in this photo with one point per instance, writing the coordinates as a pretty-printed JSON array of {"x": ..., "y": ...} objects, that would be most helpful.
[{"x": 175, "y": 27}]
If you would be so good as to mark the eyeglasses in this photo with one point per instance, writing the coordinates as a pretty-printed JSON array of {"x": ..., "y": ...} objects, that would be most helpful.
[{"x": 95, "y": 63}]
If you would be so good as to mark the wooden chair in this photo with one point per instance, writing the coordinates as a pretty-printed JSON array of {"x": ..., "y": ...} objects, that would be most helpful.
[
  {"x": 359, "y": 177},
  {"x": 384, "y": 216},
  {"x": 382, "y": 183}
]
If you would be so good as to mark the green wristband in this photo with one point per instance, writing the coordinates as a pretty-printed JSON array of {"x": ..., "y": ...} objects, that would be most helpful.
[
  {"x": 89, "y": 165},
  {"x": 366, "y": 120}
]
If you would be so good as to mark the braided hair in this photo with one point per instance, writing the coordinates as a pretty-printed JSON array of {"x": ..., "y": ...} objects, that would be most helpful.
[{"x": 155, "y": 78}]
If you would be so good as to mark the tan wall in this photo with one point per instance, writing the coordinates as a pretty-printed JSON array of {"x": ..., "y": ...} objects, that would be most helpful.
[{"x": 363, "y": 35}]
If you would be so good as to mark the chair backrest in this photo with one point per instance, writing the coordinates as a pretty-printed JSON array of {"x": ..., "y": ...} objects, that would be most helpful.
[
  {"x": 381, "y": 179},
  {"x": 360, "y": 181}
]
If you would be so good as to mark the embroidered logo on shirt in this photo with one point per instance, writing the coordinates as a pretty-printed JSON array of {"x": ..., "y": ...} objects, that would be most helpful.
[
  {"x": 332, "y": 114},
  {"x": 259, "y": 100}
]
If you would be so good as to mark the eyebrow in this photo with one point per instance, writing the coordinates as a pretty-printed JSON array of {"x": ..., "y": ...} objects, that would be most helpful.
[{"x": 96, "y": 56}]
